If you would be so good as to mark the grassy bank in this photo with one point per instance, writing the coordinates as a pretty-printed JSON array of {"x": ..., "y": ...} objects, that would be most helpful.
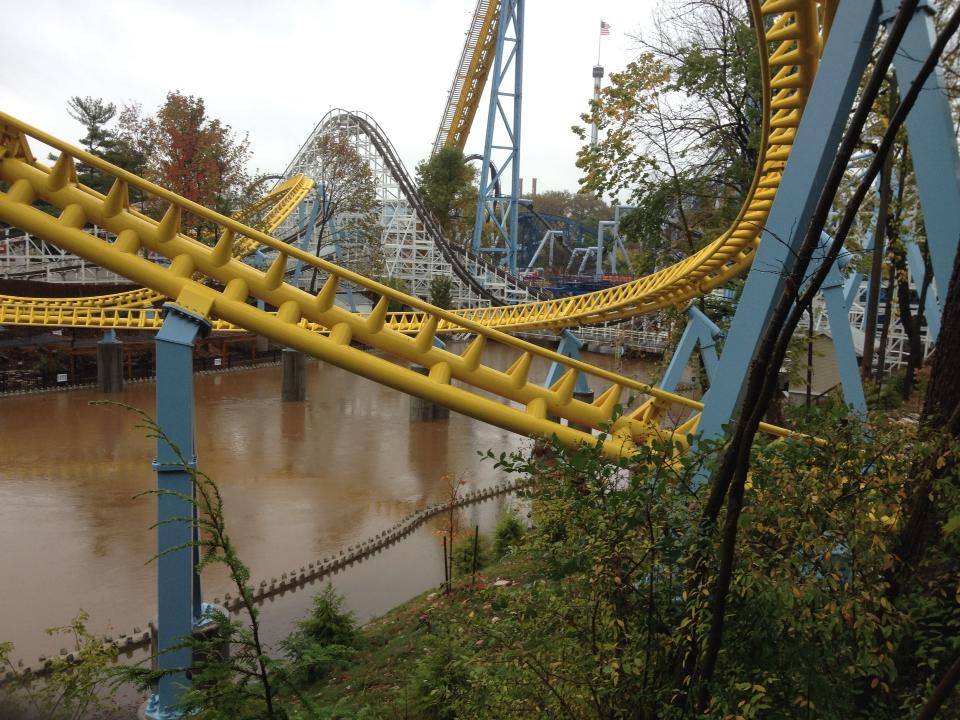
[{"x": 386, "y": 677}]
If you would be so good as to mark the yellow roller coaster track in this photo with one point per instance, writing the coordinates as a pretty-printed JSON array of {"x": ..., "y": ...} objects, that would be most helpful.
[
  {"x": 470, "y": 77},
  {"x": 789, "y": 31},
  {"x": 789, "y": 42},
  {"x": 270, "y": 210}
]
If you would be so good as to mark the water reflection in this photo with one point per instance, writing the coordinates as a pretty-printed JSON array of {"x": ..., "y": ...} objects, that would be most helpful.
[{"x": 299, "y": 481}]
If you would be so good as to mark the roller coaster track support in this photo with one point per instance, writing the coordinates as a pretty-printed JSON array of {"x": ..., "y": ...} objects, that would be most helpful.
[
  {"x": 838, "y": 314},
  {"x": 700, "y": 332},
  {"x": 502, "y": 144},
  {"x": 932, "y": 142},
  {"x": 178, "y": 583}
]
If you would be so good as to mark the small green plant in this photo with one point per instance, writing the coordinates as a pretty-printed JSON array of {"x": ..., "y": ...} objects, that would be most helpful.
[
  {"x": 439, "y": 683},
  {"x": 508, "y": 533},
  {"x": 463, "y": 554},
  {"x": 441, "y": 292},
  {"x": 324, "y": 640},
  {"x": 77, "y": 686},
  {"x": 243, "y": 684}
]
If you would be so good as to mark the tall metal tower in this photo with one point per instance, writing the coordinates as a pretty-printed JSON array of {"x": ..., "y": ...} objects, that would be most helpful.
[
  {"x": 501, "y": 150},
  {"x": 597, "y": 78}
]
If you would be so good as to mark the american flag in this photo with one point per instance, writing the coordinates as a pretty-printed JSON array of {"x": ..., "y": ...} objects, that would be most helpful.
[{"x": 604, "y": 28}]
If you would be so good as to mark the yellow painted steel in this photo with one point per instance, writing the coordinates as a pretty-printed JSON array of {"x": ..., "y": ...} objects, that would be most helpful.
[
  {"x": 790, "y": 46},
  {"x": 520, "y": 405},
  {"x": 471, "y": 76},
  {"x": 789, "y": 41},
  {"x": 269, "y": 212}
]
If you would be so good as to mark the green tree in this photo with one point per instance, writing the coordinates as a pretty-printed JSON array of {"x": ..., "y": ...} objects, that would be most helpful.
[
  {"x": 679, "y": 128},
  {"x": 441, "y": 292},
  {"x": 586, "y": 208},
  {"x": 446, "y": 184},
  {"x": 94, "y": 114},
  {"x": 349, "y": 200},
  {"x": 323, "y": 640}
]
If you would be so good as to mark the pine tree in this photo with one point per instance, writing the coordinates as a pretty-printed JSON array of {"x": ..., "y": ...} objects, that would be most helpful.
[{"x": 94, "y": 114}]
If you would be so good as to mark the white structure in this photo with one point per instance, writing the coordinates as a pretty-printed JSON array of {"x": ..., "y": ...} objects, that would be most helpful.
[{"x": 414, "y": 251}]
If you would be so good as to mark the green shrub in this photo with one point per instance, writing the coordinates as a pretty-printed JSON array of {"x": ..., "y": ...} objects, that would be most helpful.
[
  {"x": 441, "y": 292},
  {"x": 328, "y": 623},
  {"x": 509, "y": 532},
  {"x": 463, "y": 555},
  {"x": 439, "y": 683},
  {"x": 324, "y": 640}
]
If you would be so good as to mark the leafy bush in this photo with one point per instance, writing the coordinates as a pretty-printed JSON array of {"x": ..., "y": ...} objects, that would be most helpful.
[
  {"x": 441, "y": 292},
  {"x": 463, "y": 555},
  {"x": 508, "y": 533},
  {"x": 440, "y": 682},
  {"x": 328, "y": 623},
  {"x": 71, "y": 690}
]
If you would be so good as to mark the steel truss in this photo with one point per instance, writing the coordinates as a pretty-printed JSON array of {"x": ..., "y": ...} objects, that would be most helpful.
[{"x": 503, "y": 115}]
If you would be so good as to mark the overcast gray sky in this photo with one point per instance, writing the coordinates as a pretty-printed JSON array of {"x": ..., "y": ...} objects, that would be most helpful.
[{"x": 273, "y": 69}]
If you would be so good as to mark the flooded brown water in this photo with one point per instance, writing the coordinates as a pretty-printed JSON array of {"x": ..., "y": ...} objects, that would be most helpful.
[{"x": 299, "y": 480}]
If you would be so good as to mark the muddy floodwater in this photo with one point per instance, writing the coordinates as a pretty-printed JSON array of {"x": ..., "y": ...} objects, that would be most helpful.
[{"x": 299, "y": 480}]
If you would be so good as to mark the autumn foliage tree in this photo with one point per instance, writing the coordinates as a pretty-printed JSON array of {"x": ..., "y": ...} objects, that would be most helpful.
[{"x": 185, "y": 150}]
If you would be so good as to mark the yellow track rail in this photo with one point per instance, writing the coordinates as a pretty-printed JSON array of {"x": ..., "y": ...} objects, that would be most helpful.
[
  {"x": 789, "y": 42},
  {"x": 518, "y": 404},
  {"x": 279, "y": 203},
  {"x": 789, "y": 34},
  {"x": 470, "y": 77}
]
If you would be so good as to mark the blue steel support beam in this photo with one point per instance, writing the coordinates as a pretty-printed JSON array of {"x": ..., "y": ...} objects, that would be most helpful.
[
  {"x": 700, "y": 332},
  {"x": 844, "y": 59},
  {"x": 569, "y": 347},
  {"x": 932, "y": 141},
  {"x": 918, "y": 271},
  {"x": 505, "y": 61},
  {"x": 838, "y": 314},
  {"x": 178, "y": 591}
]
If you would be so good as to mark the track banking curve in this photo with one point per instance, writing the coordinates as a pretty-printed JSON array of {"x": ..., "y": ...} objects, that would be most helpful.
[{"x": 790, "y": 40}]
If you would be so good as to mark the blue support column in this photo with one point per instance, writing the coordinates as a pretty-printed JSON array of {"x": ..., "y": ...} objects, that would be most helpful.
[
  {"x": 178, "y": 586},
  {"x": 844, "y": 59},
  {"x": 700, "y": 332},
  {"x": 933, "y": 143},
  {"x": 918, "y": 271},
  {"x": 503, "y": 211},
  {"x": 838, "y": 313},
  {"x": 569, "y": 347}
]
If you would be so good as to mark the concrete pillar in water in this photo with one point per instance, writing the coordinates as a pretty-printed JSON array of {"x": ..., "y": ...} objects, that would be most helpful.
[
  {"x": 110, "y": 363},
  {"x": 425, "y": 410},
  {"x": 294, "y": 376},
  {"x": 586, "y": 396}
]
